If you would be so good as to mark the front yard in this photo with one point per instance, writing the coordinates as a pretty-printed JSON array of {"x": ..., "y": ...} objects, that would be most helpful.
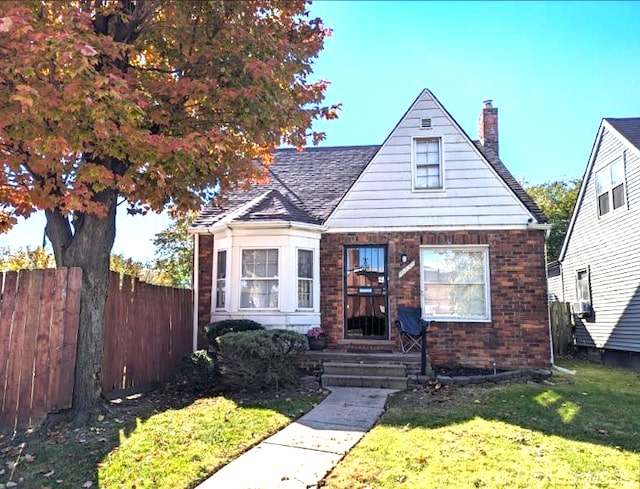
[
  {"x": 579, "y": 431},
  {"x": 167, "y": 439}
]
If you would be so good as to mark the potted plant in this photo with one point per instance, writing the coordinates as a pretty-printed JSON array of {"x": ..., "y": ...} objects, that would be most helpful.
[{"x": 317, "y": 338}]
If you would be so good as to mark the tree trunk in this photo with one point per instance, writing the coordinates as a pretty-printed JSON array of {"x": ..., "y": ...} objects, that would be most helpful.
[{"x": 87, "y": 243}]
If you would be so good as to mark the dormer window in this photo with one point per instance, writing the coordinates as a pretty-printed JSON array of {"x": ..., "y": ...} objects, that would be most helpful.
[
  {"x": 610, "y": 187},
  {"x": 427, "y": 156}
]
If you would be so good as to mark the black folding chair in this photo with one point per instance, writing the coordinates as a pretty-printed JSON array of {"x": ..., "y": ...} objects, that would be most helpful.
[{"x": 409, "y": 324}]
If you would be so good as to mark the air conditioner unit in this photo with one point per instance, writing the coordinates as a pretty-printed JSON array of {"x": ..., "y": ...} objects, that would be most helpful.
[{"x": 581, "y": 309}]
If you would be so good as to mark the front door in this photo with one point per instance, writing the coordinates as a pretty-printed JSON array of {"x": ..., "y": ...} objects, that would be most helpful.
[{"x": 365, "y": 286}]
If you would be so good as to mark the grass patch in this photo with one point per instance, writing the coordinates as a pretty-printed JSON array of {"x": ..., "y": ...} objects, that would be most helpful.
[
  {"x": 167, "y": 439},
  {"x": 579, "y": 431}
]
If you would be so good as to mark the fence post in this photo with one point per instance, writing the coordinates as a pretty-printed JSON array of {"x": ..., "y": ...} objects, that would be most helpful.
[{"x": 561, "y": 327}]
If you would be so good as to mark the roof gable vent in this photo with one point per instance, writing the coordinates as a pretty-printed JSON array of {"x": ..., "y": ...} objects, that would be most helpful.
[{"x": 425, "y": 123}]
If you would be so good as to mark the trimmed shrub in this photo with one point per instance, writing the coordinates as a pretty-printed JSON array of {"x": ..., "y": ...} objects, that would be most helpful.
[
  {"x": 225, "y": 326},
  {"x": 199, "y": 370},
  {"x": 260, "y": 359}
]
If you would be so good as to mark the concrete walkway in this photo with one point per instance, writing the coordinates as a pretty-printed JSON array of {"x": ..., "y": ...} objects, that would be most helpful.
[{"x": 304, "y": 452}]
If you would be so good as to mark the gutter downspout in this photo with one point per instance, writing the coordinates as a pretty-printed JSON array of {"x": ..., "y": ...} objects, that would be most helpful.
[
  {"x": 546, "y": 264},
  {"x": 196, "y": 287}
]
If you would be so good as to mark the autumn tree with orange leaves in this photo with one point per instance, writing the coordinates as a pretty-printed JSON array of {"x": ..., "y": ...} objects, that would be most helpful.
[{"x": 145, "y": 103}]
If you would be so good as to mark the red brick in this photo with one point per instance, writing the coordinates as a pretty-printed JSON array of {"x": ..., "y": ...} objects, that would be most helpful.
[
  {"x": 517, "y": 336},
  {"x": 205, "y": 280}
]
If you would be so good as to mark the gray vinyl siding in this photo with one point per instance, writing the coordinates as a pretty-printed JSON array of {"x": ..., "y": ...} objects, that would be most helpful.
[
  {"x": 554, "y": 286},
  {"x": 472, "y": 194},
  {"x": 610, "y": 247}
]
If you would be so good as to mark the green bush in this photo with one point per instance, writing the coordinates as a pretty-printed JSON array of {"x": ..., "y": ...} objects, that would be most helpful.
[
  {"x": 260, "y": 359},
  {"x": 199, "y": 370},
  {"x": 214, "y": 330}
]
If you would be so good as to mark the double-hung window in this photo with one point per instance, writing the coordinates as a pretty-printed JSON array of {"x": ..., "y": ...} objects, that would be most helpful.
[
  {"x": 259, "y": 281},
  {"x": 221, "y": 280},
  {"x": 455, "y": 283},
  {"x": 582, "y": 308},
  {"x": 427, "y": 157},
  {"x": 305, "y": 279},
  {"x": 583, "y": 292},
  {"x": 610, "y": 187}
]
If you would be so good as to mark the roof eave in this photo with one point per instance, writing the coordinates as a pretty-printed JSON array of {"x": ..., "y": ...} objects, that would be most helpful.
[
  {"x": 578, "y": 204},
  {"x": 279, "y": 224}
]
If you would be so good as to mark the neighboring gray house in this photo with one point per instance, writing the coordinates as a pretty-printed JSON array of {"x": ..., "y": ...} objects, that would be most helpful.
[{"x": 598, "y": 270}]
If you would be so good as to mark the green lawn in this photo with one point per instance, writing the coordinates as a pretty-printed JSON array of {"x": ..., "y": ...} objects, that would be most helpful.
[
  {"x": 165, "y": 441},
  {"x": 579, "y": 431}
]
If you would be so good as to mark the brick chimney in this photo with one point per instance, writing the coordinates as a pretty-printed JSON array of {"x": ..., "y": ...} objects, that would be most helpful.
[{"x": 488, "y": 126}]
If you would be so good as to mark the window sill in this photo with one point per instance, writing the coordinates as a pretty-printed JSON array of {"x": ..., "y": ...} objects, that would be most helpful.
[
  {"x": 456, "y": 320},
  {"x": 255, "y": 309},
  {"x": 428, "y": 190},
  {"x": 612, "y": 213}
]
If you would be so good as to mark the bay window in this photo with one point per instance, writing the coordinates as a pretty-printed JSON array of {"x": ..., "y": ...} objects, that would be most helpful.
[
  {"x": 305, "y": 279},
  {"x": 221, "y": 280},
  {"x": 259, "y": 279}
]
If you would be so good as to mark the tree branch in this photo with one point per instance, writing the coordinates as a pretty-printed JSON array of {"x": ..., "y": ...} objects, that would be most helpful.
[
  {"x": 154, "y": 70},
  {"x": 58, "y": 230}
]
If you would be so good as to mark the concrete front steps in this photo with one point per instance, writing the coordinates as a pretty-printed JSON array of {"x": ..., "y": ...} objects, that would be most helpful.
[{"x": 378, "y": 375}]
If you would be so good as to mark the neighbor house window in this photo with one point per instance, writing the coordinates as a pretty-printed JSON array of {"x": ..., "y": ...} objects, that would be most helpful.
[
  {"x": 583, "y": 293},
  {"x": 427, "y": 163},
  {"x": 610, "y": 187},
  {"x": 455, "y": 283},
  {"x": 305, "y": 279},
  {"x": 259, "y": 282},
  {"x": 221, "y": 280}
]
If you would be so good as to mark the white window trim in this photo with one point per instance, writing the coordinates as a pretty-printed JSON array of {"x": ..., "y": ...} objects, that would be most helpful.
[
  {"x": 414, "y": 164},
  {"x": 312, "y": 279},
  {"x": 487, "y": 284},
  {"x": 608, "y": 166},
  {"x": 239, "y": 287},
  {"x": 226, "y": 279},
  {"x": 588, "y": 272}
]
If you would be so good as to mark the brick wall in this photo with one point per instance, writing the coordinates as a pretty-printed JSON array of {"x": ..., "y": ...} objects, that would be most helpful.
[
  {"x": 517, "y": 336},
  {"x": 205, "y": 279},
  {"x": 488, "y": 127}
]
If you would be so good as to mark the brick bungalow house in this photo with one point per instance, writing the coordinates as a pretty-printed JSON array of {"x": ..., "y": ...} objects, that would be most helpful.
[{"x": 343, "y": 236}]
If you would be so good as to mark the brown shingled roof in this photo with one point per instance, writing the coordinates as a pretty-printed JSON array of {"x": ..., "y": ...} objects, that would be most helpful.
[
  {"x": 311, "y": 183},
  {"x": 309, "y": 186}
]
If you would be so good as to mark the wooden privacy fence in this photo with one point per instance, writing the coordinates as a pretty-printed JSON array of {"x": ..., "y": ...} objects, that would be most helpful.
[
  {"x": 39, "y": 316},
  {"x": 561, "y": 327},
  {"x": 147, "y": 330}
]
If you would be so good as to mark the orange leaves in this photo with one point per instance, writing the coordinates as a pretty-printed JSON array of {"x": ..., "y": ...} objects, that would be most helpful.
[
  {"x": 98, "y": 177},
  {"x": 24, "y": 94},
  {"x": 13, "y": 203},
  {"x": 7, "y": 221},
  {"x": 88, "y": 50},
  {"x": 163, "y": 105},
  {"x": 6, "y": 24},
  {"x": 102, "y": 128}
]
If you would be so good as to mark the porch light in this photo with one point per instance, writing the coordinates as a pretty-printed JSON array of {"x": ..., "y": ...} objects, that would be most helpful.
[{"x": 404, "y": 258}]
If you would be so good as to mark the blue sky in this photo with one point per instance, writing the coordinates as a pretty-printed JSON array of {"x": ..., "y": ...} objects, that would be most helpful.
[{"x": 553, "y": 69}]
